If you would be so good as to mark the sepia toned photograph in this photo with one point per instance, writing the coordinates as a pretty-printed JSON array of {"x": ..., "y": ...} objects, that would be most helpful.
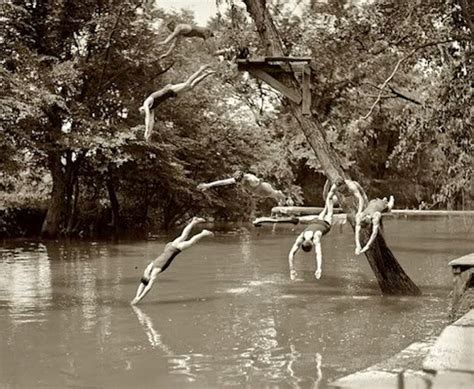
[{"x": 237, "y": 194}]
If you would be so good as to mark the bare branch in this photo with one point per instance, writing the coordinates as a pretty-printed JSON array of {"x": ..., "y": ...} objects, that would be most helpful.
[
  {"x": 394, "y": 71},
  {"x": 405, "y": 97}
]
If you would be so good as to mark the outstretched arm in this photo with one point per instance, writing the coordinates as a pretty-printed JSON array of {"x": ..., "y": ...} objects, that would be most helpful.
[
  {"x": 227, "y": 181},
  {"x": 357, "y": 234},
  {"x": 375, "y": 229},
  {"x": 143, "y": 289},
  {"x": 291, "y": 256},
  {"x": 319, "y": 256},
  {"x": 168, "y": 52},
  {"x": 149, "y": 121}
]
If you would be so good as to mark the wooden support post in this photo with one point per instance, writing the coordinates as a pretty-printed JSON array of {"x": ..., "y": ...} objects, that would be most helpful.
[
  {"x": 305, "y": 82},
  {"x": 274, "y": 83},
  {"x": 263, "y": 68}
]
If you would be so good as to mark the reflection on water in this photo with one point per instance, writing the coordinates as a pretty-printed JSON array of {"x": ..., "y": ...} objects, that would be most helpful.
[
  {"x": 154, "y": 338},
  {"x": 25, "y": 280},
  {"x": 224, "y": 314}
]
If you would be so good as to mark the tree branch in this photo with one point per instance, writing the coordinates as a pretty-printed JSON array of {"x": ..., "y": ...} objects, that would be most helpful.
[
  {"x": 405, "y": 97},
  {"x": 394, "y": 71},
  {"x": 107, "y": 52}
]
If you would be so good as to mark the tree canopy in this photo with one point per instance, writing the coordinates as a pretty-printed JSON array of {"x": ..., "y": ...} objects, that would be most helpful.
[{"x": 390, "y": 83}]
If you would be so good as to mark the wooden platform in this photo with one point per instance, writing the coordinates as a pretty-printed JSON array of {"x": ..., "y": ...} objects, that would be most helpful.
[
  {"x": 465, "y": 261},
  {"x": 429, "y": 212},
  {"x": 300, "y": 211},
  {"x": 267, "y": 68}
]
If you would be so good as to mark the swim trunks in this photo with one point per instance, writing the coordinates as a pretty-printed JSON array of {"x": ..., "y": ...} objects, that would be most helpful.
[
  {"x": 319, "y": 225},
  {"x": 159, "y": 99},
  {"x": 165, "y": 259}
]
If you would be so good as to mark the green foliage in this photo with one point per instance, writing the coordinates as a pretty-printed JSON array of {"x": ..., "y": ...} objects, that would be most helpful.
[
  {"x": 74, "y": 78},
  {"x": 417, "y": 133},
  {"x": 74, "y": 74}
]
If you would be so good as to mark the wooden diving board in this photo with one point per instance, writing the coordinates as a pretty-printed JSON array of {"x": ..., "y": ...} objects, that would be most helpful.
[
  {"x": 300, "y": 211},
  {"x": 267, "y": 68},
  {"x": 463, "y": 263}
]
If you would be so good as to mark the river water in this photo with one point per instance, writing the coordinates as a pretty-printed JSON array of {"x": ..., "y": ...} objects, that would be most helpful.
[{"x": 224, "y": 314}]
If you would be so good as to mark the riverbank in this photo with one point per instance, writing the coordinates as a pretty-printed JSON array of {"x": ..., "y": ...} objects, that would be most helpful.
[{"x": 443, "y": 362}]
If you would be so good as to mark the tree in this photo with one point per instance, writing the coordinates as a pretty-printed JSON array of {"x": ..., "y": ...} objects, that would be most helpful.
[
  {"x": 73, "y": 78},
  {"x": 390, "y": 276}
]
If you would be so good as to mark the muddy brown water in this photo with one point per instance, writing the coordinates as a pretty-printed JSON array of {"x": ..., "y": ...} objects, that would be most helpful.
[{"x": 224, "y": 314}]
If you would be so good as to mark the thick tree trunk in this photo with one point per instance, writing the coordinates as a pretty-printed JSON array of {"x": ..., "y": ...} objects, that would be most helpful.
[
  {"x": 63, "y": 196},
  {"x": 54, "y": 216},
  {"x": 114, "y": 204},
  {"x": 390, "y": 276},
  {"x": 71, "y": 223}
]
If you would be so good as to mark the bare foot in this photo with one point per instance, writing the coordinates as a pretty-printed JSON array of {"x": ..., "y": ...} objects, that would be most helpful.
[
  {"x": 198, "y": 220},
  {"x": 208, "y": 233},
  {"x": 317, "y": 274},
  {"x": 357, "y": 251},
  {"x": 202, "y": 187}
]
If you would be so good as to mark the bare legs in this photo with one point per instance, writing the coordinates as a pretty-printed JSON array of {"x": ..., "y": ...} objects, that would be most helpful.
[
  {"x": 193, "y": 80},
  {"x": 196, "y": 238},
  {"x": 187, "y": 230},
  {"x": 327, "y": 212}
]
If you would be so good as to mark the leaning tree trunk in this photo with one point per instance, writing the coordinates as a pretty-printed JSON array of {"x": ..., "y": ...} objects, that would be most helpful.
[{"x": 390, "y": 276}]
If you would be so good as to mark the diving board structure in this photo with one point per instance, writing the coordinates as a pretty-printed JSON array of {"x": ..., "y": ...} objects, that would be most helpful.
[
  {"x": 302, "y": 211},
  {"x": 463, "y": 276},
  {"x": 267, "y": 68}
]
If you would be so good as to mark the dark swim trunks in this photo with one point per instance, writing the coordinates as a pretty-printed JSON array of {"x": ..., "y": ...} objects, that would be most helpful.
[
  {"x": 319, "y": 225},
  {"x": 165, "y": 259},
  {"x": 159, "y": 99}
]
